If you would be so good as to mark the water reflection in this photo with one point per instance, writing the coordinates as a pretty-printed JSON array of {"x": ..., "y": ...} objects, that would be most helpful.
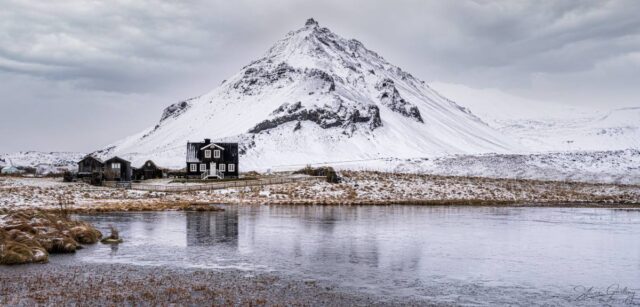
[
  {"x": 114, "y": 250},
  {"x": 210, "y": 228},
  {"x": 395, "y": 250}
]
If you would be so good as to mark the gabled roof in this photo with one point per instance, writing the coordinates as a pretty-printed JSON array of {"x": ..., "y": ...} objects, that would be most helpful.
[
  {"x": 91, "y": 157},
  {"x": 146, "y": 162},
  {"x": 212, "y": 144},
  {"x": 118, "y": 159},
  {"x": 152, "y": 163}
]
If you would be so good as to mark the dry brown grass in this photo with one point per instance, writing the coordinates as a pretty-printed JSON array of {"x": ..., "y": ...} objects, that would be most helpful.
[
  {"x": 28, "y": 236},
  {"x": 135, "y": 206}
]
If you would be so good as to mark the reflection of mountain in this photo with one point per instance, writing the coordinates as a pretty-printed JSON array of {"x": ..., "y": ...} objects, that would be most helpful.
[{"x": 209, "y": 228}]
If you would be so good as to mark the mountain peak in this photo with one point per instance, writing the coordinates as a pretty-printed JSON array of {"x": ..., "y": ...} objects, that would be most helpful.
[
  {"x": 311, "y": 23},
  {"x": 316, "y": 96}
]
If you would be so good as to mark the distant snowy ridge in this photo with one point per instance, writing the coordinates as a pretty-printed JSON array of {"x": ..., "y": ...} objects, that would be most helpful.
[
  {"x": 315, "y": 96},
  {"x": 619, "y": 166},
  {"x": 615, "y": 166},
  {"x": 544, "y": 126},
  {"x": 64, "y": 160}
]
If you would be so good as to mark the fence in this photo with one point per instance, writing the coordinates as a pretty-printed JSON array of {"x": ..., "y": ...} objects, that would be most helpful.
[{"x": 222, "y": 185}]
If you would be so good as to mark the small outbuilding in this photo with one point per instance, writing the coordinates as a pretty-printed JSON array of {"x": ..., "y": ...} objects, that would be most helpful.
[
  {"x": 90, "y": 164},
  {"x": 148, "y": 170},
  {"x": 90, "y": 170},
  {"x": 117, "y": 169}
]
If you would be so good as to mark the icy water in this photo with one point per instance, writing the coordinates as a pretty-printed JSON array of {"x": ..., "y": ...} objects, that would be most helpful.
[{"x": 461, "y": 255}]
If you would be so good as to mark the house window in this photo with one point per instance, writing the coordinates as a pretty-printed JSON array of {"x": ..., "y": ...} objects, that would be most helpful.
[
  {"x": 232, "y": 167},
  {"x": 216, "y": 154},
  {"x": 194, "y": 167},
  {"x": 221, "y": 167},
  {"x": 207, "y": 154},
  {"x": 203, "y": 167},
  {"x": 115, "y": 165}
]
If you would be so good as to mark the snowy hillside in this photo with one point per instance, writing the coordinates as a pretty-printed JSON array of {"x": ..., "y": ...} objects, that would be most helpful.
[
  {"x": 619, "y": 166},
  {"x": 544, "y": 126},
  {"x": 64, "y": 160},
  {"x": 315, "y": 96}
]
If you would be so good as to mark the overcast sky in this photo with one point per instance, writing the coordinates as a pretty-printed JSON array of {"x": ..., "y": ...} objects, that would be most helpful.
[{"x": 77, "y": 75}]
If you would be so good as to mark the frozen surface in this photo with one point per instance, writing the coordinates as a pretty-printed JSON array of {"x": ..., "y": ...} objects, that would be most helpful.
[{"x": 460, "y": 255}]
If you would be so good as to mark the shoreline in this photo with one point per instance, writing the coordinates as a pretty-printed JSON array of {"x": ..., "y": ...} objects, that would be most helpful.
[
  {"x": 356, "y": 189},
  {"x": 215, "y": 207},
  {"x": 127, "y": 284}
]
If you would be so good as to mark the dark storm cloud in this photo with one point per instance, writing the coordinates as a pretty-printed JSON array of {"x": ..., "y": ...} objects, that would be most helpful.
[{"x": 59, "y": 59}]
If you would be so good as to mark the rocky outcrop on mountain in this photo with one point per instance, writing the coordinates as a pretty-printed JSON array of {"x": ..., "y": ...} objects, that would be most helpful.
[
  {"x": 390, "y": 97},
  {"x": 326, "y": 116},
  {"x": 175, "y": 109}
]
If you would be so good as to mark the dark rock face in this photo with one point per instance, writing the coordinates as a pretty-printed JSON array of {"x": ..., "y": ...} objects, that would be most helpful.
[
  {"x": 256, "y": 77},
  {"x": 298, "y": 126},
  {"x": 323, "y": 76},
  {"x": 326, "y": 117},
  {"x": 311, "y": 22},
  {"x": 175, "y": 109},
  {"x": 390, "y": 97},
  {"x": 287, "y": 108}
]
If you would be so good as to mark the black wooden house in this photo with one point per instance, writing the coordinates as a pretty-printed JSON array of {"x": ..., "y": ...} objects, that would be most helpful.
[
  {"x": 148, "y": 170},
  {"x": 90, "y": 170},
  {"x": 89, "y": 165},
  {"x": 117, "y": 169},
  {"x": 212, "y": 160}
]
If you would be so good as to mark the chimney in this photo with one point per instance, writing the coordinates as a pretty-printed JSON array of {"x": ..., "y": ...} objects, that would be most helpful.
[{"x": 207, "y": 141}]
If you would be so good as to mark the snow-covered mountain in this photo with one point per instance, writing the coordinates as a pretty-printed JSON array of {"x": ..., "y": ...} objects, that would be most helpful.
[
  {"x": 544, "y": 126},
  {"x": 315, "y": 97}
]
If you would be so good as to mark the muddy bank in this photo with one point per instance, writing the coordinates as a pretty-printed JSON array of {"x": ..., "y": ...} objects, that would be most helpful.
[
  {"x": 30, "y": 236},
  {"x": 115, "y": 284}
]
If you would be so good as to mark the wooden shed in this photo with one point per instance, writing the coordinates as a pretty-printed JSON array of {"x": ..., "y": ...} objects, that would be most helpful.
[
  {"x": 117, "y": 169},
  {"x": 90, "y": 170},
  {"x": 148, "y": 170},
  {"x": 90, "y": 164}
]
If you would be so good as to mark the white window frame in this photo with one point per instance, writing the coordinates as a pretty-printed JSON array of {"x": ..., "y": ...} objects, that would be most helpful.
[
  {"x": 232, "y": 167},
  {"x": 203, "y": 167},
  {"x": 207, "y": 154},
  {"x": 115, "y": 165},
  {"x": 194, "y": 167},
  {"x": 221, "y": 167},
  {"x": 216, "y": 154}
]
